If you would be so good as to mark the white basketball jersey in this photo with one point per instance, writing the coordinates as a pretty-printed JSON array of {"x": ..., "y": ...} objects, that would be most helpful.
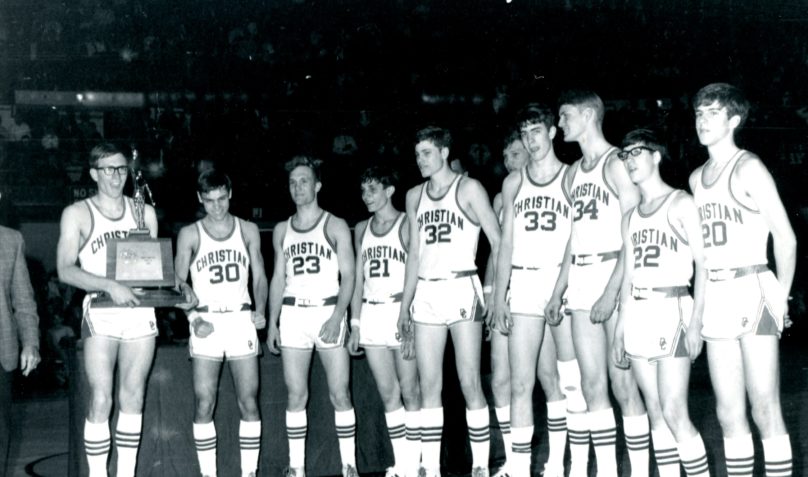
[
  {"x": 384, "y": 259},
  {"x": 542, "y": 217},
  {"x": 220, "y": 268},
  {"x": 662, "y": 257},
  {"x": 312, "y": 269},
  {"x": 596, "y": 211},
  {"x": 447, "y": 236},
  {"x": 734, "y": 235},
  {"x": 93, "y": 253}
]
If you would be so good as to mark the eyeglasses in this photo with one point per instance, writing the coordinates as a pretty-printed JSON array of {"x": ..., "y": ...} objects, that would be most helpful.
[
  {"x": 633, "y": 152},
  {"x": 109, "y": 170}
]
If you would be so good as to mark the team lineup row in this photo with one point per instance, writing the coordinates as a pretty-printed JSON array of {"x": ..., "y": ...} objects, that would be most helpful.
[{"x": 600, "y": 273}]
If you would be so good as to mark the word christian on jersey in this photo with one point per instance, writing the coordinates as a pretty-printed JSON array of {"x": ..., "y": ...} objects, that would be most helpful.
[
  {"x": 655, "y": 237},
  {"x": 220, "y": 256},
  {"x": 101, "y": 241},
  {"x": 541, "y": 202},
  {"x": 439, "y": 216},
  {"x": 717, "y": 211},
  {"x": 380, "y": 252},
  {"x": 591, "y": 190},
  {"x": 307, "y": 248}
]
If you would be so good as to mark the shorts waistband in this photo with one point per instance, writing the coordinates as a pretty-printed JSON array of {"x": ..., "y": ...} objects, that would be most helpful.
[
  {"x": 723, "y": 274},
  {"x": 396, "y": 298},
  {"x": 585, "y": 259},
  {"x": 658, "y": 292},
  {"x": 222, "y": 309},
  {"x": 461, "y": 274},
  {"x": 534, "y": 269},
  {"x": 307, "y": 302}
]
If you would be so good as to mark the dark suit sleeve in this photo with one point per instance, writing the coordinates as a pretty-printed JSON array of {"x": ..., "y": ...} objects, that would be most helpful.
[{"x": 22, "y": 300}]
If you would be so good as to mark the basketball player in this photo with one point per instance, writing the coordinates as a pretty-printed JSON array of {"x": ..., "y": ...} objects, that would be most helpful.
[
  {"x": 514, "y": 157},
  {"x": 382, "y": 243},
  {"x": 659, "y": 324},
  {"x": 311, "y": 288},
  {"x": 600, "y": 190},
  {"x": 746, "y": 305},
  {"x": 445, "y": 215},
  {"x": 220, "y": 250},
  {"x": 122, "y": 336},
  {"x": 536, "y": 223}
]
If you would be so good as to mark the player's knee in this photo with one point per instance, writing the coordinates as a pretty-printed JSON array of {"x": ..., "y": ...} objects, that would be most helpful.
[
  {"x": 248, "y": 407},
  {"x": 470, "y": 383},
  {"x": 296, "y": 399},
  {"x": 130, "y": 400},
  {"x": 340, "y": 397},
  {"x": 500, "y": 380},
  {"x": 391, "y": 397},
  {"x": 522, "y": 387},
  {"x": 410, "y": 393},
  {"x": 100, "y": 406},
  {"x": 204, "y": 408},
  {"x": 766, "y": 414},
  {"x": 731, "y": 417},
  {"x": 549, "y": 379}
]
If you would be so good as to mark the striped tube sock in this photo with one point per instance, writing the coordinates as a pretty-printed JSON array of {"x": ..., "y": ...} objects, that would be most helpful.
[
  {"x": 777, "y": 454},
  {"x": 412, "y": 459},
  {"x": 556, "y": 433},
  {"x": 479, "y": 436},
  {"x": 296, "y": 426},
  {"x": 431, "y": 432},
  {"x": 638, "y": 439},
  {"x": 205, "y": 442},
  {"x": 346, "y": 433},
  {"x": 665, "y": 452},
  {"x": 397, "y": 432},
  {"x": 519, "y": 465},
  {"x": 694, "y": 457},
  {"x": 578, "y": 432},
  {"x": 96, "y": 445},
  {"x": 249, "y": 439},
  {"x": 740, "y": 456},
  {"x": 504, "y": 419},
  {"x": 127, "y": 440},
  {"x": 604, "y": 438}
]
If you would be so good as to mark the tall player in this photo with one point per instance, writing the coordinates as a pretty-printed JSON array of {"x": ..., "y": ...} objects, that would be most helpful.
[
  {"x": 536, "y": 223},
  {"x": 310, "y": 291},
  {"x": 122, "y": 336},
  {"x": 601, "y": 192},
  {"x": 746, "y": 305},
  {"x": 659, "y": 324},
  {"x": 382, "y": 243},
  {"x": 221, "y": 250},
  {"x": 445, "y": 215}
]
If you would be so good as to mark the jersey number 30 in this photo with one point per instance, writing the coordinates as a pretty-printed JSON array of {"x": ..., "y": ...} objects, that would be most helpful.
[
  {"x": 438, "y": 233},
  {"x": 229, "y": 273}
]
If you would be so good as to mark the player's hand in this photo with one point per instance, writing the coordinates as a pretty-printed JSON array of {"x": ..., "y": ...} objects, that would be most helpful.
[
  {"x": 552, "y": 311},
  {"x": 201, "y": 328},
  {"x": 404, "y": 325},
  {"x": 29, "y": 359},
  {"x": 502, "y": 321},
  {"x": 122, "y": 295},
  {"x": 258, "y": 320},
  {"x": 603, "y": 309},
  {"x": 619, "y": 353},
  {"x": 407, "y": 349},
  {"x": 274, "y": 339},
  {"x": 786, "y": 318},
  {"x": 190, "y": 297},
  {"x": 353, "y": 342},
  {"x": 693, "y": 341},
  {"x": 331, "y": 329}
]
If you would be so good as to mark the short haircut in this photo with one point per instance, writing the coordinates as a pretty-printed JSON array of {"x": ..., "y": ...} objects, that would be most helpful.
[
  {"x": 307, "y": 161},
  {"x": 584, "y": 98},
  {"x": 648, "y": 138},
  {"x": 726, "y": 95},
  {"x": 535, "y": 113},
  {"x": 103, "y": 150},
  {"x": 438, "y": 136},
  {"x": 213, "y": 179},
  {"x": 512, "y": 136},
  {"x": 384, "y": 175}
]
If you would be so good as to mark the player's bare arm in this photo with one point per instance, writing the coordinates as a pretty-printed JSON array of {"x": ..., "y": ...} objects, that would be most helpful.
[
  {"x": 618, "y": 342},
  {"x": 488, "y": 280},
  {"x": 276, "y": 286},
  {"x": 187, "y": 245},
  {"x": 502, "y": 318},
  {"x": 359, "y": 286},
  {"x": 260, "y": 287},
  {"x": 684, "y": 216},
  {"x": 758, "y": 184},
  {"x": 339, "y": 233},
  {"x": 411, "y": 269}
]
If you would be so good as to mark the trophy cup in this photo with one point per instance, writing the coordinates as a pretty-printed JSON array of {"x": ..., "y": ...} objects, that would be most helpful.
[{"x": 140, "y": 261}]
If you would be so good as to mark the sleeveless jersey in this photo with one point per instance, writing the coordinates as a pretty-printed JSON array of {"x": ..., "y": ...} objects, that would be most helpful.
[
  {"x": 662, "y": 257},
  {"x": 541, "y": 222},
  {"x": 447, "y": 236},
  {"x": 93, "y": 253},
  {"x": 596, "y": 211},
  {"x": 220, "y": 268},
  {"x": 384, "y": 259},
  {"x": 734, "y": 235},
  {"x": 312, "y": 269}
]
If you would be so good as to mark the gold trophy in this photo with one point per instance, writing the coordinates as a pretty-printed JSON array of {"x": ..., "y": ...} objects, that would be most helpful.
[{"x": 140, "y": 261}]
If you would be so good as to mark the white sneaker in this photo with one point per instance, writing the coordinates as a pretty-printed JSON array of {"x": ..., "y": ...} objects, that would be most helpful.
[
  {"x": 349, "y": 470},
  {"x": 479, "y": 472},
  {"x": 503, "y": 471},
  {"x": 294, "y": 472},
  {"x": 552, "y": 471},
  {"x": 391, "y": 472}
]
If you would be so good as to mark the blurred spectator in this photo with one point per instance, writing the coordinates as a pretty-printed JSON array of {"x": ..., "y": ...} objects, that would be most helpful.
[{"x": 20, "y": 129}]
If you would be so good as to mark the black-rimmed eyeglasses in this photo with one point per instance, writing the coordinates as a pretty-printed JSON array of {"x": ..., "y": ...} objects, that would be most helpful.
[
  {"x": 633, "y": 152},
  {"x": 109, "y": 170}
]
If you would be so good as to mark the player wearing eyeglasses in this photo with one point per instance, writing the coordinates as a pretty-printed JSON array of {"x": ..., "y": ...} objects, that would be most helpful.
[
  {"x": 600, "y": 191},
  {"x": 122, "y": 336},
  {"x": 746, "y": 305},
  {"x": 659, "y": 323}
]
